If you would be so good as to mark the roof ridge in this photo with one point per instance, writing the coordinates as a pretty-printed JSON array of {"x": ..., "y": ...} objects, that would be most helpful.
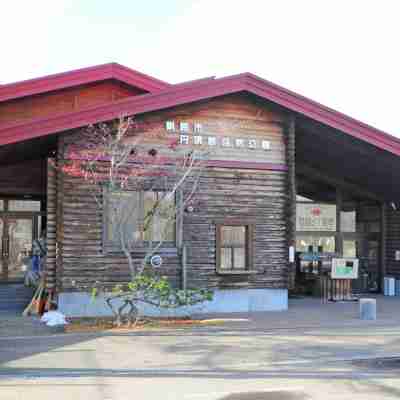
[{"x": 57, "y": 74}]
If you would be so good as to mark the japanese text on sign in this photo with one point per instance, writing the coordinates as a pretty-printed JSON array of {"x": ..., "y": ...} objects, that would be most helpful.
[{"x": 316, "y": 217}]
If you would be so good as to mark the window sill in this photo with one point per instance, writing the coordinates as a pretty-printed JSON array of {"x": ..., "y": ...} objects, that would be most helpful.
[{"x": 238, "y": 272}]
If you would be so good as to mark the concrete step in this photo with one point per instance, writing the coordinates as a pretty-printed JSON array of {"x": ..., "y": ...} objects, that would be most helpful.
[{"x": 14, "y": 297}]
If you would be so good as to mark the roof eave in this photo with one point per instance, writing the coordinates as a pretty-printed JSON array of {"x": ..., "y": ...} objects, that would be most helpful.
[{"x": 207, "y": 88}]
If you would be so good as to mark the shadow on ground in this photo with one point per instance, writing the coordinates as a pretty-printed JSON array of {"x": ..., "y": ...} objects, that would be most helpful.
[{"x": 12, "y": 349}]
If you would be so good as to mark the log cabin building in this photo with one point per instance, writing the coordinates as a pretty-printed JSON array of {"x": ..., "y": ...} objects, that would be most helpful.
[{"x": 288, "y": 178}]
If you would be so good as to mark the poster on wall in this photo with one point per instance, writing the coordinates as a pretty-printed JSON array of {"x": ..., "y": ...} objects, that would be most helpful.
[
  {"x": 315, "y": 217},
  {"x": 344, "y": 268}
]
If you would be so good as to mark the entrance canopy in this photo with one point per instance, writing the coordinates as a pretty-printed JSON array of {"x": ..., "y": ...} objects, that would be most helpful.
[{"x": 327, "y": 154}]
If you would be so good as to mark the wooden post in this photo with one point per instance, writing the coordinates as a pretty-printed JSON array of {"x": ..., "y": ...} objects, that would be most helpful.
[
  {"x": 291, "y": 190},
  {"x": 339, "y": 235},
  {"x": 51, "y": 215},
  {"x": 184, "y": 269},
  {"x": 179, "y": 220},
  {"x": 179, "y": 237},
  {"x": 59, "y": 213},
  {"x": 382, "y": 269}
]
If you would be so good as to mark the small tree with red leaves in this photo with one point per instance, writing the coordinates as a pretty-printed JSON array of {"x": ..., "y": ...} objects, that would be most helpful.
[{"x": 119, "y": 160}]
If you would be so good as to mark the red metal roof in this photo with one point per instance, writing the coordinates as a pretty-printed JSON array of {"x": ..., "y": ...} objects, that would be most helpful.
[
  {"x": 81, "y": 76},
  {"x": 199, "y": 90}
]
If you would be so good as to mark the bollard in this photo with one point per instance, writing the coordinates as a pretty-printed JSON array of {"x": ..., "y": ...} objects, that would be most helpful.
[
  {"x": 368, "y": 309},
  {"x": 391, "y": 287}
]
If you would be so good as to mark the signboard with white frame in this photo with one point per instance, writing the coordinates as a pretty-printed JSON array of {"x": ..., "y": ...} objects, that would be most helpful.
[
  {"x": 344, "y": 268},
  {"x": 315, "y": 217}
]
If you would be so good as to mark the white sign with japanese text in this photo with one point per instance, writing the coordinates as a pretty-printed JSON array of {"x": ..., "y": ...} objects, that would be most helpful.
[{"x": 315, "y": 217}]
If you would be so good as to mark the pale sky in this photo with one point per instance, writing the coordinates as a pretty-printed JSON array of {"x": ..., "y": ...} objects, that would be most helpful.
[{"x": 342, "y": 53}]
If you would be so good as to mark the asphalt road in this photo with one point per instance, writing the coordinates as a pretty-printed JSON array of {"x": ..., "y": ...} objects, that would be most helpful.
[{"x": 331, "y": 363}]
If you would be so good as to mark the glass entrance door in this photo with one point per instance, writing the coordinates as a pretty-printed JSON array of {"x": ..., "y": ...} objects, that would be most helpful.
[
  {"x": 366, "y": 249},
  {"x": 20, "y": 234},
  {"x": 17, "y": 234},
  {"x": 20, "y": 223}
]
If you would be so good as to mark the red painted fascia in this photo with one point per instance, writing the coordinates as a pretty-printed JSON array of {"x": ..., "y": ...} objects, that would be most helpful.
[
  {"x": 137, "y": 79},
  {"x": 79, "y": 77},
  {"x": 199, "y": 90},
  {"x": 194, "y": 82}
]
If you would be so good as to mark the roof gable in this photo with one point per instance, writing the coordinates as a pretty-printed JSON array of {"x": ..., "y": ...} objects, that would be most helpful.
[{"x": 79, "y": 77}]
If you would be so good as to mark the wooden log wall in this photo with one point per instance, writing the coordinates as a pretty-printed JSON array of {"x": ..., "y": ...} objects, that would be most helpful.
[
  {"x": 233, "y": 117},
  {"x": 291, "y": 200},
  {"x": 60, "y": 219},
  {"x": 83, "y": 260},
  {"x": 256, "y": 196},
  {"x": 247, "y": 196},
  {"x": 51, "y": 224}
]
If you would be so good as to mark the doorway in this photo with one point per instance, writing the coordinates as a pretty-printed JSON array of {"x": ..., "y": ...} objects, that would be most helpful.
[
  {"x": 21, "y": 222},
  {"x": 367, "y": 250}
]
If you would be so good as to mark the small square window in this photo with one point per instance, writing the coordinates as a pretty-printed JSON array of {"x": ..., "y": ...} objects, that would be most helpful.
[
  {"x": 226, "y": 142},
  {"x": 198, "y": 140},
  {"x": 184, "y": 126},
  {"x": 239, "y": 143},
  {"x": 265, "y": 144},
  {"x": 252, "y": 144},
  {"x": 212, "y": 141},
  {"x": 170, "y": 126},
  {"x": 198, "y": 127},
  {"x": 184, "y": 139}
]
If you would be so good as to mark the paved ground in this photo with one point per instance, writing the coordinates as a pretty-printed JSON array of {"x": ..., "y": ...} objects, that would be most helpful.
[
  {"x": 302, "y": 313},
  {"x": 12, "y": 325},
  {"x": 310, "y": 312},
  {"x": 261, "y": 357}
]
